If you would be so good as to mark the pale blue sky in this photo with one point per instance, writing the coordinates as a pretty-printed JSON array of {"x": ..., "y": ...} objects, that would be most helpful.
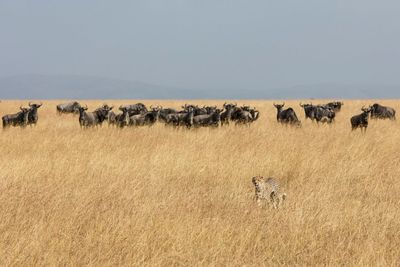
[{"x": 213, "y": 44}]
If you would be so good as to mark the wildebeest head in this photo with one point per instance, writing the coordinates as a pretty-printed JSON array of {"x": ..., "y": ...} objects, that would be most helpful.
[
  {"x": 305, "y": 105},
  {"x": 229, "y": 106},
  {"x": 279, "y": 106},
  {"x": 366, "y": 109},
  {"x": 246, "y": 108},
  {"x": 106, "y": 107},
  {"x": 102, "y": 112},
  {"x": 156, "y": 108},
  {"x": 210, "y": 109},
  {"x": 35, "y": 106},
  {"x": 33, "y": 113},
  {"x": 81, "y": 109}
]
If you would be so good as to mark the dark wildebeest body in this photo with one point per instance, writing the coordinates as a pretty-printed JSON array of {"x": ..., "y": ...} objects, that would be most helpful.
[
  {"x": 122, "y": 119},
  {"x": 138, "y": 108},
  {"x": 104, "y": 111},
  {"x": 182, "y": 118},
  {"x": 87, "y": 119},
  {"x": 197, "y": 110},
  {"x": 148, "y": 118},
  {"x": 164, "y": 112},
  {"x": 382, "y": 112},
  {"x": 72, "y": 107},
  {"x": 33, "y": 116},
  {"x": 111, "y": 118},
  {"x": 18, "y": 119},
  {"x": 287, "y": 116},
  {"x": 324, "y": 114},
  {"x": 361, "y": 120},
  {"x": 335, "y": 106},
  {"x": 244, "y": 114},
  {"x": 309, "y": 111},
  {"x": 207, "y": 119}
]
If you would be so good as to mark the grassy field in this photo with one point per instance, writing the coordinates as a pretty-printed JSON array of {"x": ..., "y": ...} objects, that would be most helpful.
[{"x": 161, "y": 196}]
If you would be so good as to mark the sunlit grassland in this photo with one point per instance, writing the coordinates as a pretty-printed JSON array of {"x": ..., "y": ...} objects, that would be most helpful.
[{"x": 163, "y": 196}]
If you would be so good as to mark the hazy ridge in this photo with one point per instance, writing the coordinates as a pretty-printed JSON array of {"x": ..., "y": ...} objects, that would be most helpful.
[{"x": 92, "y": 87}]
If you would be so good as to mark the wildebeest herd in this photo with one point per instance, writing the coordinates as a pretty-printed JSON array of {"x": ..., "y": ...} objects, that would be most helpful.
[
  {"x": 194, "y": 116},
  {"x": 139, "y": 115}
]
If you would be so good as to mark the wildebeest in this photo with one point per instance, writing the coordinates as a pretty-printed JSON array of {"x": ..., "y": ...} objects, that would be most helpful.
[
  {"x": 33, "y": 116},
  {"x": 382, "y": 112},
  {"x": 71, "y": 107},
  {"x": 104, "y": 109},
  {"x": 323, "y": 114},
  {"x": 18, "y": 119},
  {"x": 226, "y": 115},
  {"x": 287, "y": 116},
  {"x": 138, "y": 108},
  {"x": 183, "y": 118},
  {"x": 361, "y": 120},
  {"x": 96, "y": 117},
  {"x": 148, "y": 118},
  {"x": 197, "y": 110},
  {"x": 319, "y": 113},
  {"x": 336, "y": 106},
  {"x": 244, "y": 114},
  {"x": 164, "y": 112},
  {"x": 212, "y": 119},
  {"x": 309, "y": 111},
  {"x": 122, "y": 119},
  {"x": 111, "y": 118}
]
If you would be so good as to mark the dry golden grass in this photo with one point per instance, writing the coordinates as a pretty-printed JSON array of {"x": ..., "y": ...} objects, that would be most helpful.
[{"x": 158, "y": 196}]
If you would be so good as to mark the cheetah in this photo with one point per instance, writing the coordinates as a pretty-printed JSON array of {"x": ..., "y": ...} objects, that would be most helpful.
[{"x": 268, "y": 189}]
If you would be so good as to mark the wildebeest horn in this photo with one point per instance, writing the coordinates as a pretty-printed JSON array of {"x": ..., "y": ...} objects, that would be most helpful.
[
  {"x": 30, "y": 104},
  {"x": 21, "y": 108},
  {"x": 301, "y": 105}
]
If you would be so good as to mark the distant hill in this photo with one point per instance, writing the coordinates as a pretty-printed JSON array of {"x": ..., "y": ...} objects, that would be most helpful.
[
  {"x": 89, "y": 87},
  {"x": 81, "y": 87}
]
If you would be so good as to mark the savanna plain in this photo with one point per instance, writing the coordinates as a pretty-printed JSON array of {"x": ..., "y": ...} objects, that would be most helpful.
[{"x": 159, "y": 196}]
